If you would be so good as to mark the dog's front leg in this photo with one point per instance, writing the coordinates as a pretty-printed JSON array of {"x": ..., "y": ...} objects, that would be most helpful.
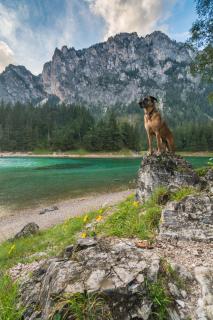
[
  {"x": 149, "y": 142},
  {"x": 159, "y": 143}
]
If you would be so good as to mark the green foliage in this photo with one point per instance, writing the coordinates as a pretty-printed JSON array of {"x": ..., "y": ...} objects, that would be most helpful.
[
  {"x": 160, "y": 298},
  {"x": 183, "y": 193},
  {"x": 202, "y": 171},
  {"x": 202, "y": 37},
  {"x": 172, "y": 275},
  {"x": 51, "y": 241},
  {"x": 62, "y": 128},
  {"x": 132, "y": 219},
  {"x": 81, "y": 306},
  {"x": 8, "y": 299},
  {"x": 194, "y": 136}
]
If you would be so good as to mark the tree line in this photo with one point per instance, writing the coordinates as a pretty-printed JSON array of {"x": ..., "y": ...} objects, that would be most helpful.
[
  {"x": 69, "y": 127},
  {"x": 62, "y": 128}
]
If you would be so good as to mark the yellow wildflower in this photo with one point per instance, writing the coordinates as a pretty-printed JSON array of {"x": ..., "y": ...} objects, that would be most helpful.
[
  {"x": 83, "y": 235},
  {"x": 12, "y": 248},
  {"x": 85, "y": 218},
  {"x": 99, "y": 218},
  {"x": 136, "y": 204}
]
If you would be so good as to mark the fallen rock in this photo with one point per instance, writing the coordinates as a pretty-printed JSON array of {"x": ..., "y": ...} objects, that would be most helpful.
[
  {"x": 190, "y": 219},
  {"x": 28, "y": 230},
  {"x": 166, "y": 170}
]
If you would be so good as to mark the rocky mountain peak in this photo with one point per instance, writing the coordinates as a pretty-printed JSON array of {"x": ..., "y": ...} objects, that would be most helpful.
[{"x": 114, "y": 72}]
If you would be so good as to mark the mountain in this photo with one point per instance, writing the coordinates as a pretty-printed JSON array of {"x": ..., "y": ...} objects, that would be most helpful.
[
  {"x": 115, "y": 72},
  {"x": 19, "y": 84}
]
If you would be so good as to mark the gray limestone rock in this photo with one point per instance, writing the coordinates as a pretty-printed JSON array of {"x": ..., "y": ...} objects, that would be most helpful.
[
  {"x": 116, "y": 269},
  {"x": 166, "y": 170},
  {"x": 190, "y": 218},
  {"x": 30, "y": 229}
]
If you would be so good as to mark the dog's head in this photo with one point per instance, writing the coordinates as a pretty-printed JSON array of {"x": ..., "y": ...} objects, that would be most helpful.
[{"x": 147, "y": 102}]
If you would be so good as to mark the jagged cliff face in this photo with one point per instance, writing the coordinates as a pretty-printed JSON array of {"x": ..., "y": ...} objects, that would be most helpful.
[
  {"x": 119, "y": 70},
  {"x": 115, "y": 72},
  {"x": 19, "y": 84}
]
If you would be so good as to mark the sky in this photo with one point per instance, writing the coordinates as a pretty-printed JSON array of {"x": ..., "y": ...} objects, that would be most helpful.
[{"x": 30, "y": 30}]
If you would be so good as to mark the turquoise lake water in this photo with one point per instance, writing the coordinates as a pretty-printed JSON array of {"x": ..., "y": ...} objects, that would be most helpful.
[{"x": 28, "y": 182}]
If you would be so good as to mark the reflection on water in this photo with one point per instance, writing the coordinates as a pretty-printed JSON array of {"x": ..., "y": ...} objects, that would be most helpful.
[{"x": 27, "y": 182}]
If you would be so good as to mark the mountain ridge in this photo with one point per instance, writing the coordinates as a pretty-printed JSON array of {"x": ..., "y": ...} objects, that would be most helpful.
[{"x": 111, "y": 73}]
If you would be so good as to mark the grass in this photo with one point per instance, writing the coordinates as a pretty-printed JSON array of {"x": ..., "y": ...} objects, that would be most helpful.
[
  {"x": 128, "y": 219},
  {"x": 203, "y": 170},
  {"x": 131, "y": 219},
  {"x": 183, "y": 193},
  {"x": 81, "y": 306},
  {"x": 160, "y": 297},
  {"x": 41, "y": 151},
  {"x": 51, "y": 241},
  {"x": 8, "y": 299}
]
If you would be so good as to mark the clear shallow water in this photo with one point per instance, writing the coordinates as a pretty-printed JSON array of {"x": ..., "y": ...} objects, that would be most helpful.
[{"x": 28, "y": 182}]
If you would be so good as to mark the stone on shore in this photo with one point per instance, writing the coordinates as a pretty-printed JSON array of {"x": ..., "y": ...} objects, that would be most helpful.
[{"x": 30, "y": 229}]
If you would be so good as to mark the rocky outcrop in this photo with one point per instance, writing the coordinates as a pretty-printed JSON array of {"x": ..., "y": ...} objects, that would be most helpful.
[
  {"x": 113, "y": 269},
  {"x": 166, "y": 170},
  {"x": 19, "y": 84},
  {"x": 190, "y": 218},
  {"x": 119, "y": 275},
  {"x": 123, "y": 279},
  {"x": 116, "y": 71},
  {"x": 208, "y": 178}
]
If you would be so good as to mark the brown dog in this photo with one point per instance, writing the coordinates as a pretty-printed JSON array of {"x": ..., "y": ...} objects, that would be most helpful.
[{"x": 156, "y": 126}]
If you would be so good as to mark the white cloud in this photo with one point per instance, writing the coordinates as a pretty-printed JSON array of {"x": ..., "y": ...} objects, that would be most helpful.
[
  {"x": 6, "y": 55},
  {"x": 142, "y": 16},
  {"x": 32, "y": 46}
]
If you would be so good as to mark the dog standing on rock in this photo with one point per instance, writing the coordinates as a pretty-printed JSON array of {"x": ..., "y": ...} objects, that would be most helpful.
[{"x": 156, "y": 126}]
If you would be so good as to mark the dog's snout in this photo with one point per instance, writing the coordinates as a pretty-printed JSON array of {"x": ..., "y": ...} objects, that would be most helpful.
[{"x": 140, "y": 103}]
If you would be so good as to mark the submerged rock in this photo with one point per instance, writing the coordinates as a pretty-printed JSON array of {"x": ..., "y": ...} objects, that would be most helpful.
[
  {"x": 167, "y": 170},
  {"x": 190, "y": 219}
]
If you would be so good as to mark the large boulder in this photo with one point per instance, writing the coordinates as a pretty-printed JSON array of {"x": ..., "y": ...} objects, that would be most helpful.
[
  {"x": 191, "y": 218},
  {"x": 115, "y": 269},
  {"x": 166, "y": 170}
]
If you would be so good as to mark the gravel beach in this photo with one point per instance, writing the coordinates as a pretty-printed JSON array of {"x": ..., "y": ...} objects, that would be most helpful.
[{"x": 13, "y": 223}]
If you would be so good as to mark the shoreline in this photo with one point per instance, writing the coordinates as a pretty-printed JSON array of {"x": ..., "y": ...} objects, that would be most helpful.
[
  {"x": 97, "y": 155},
  {"x": 13, "y": 223}
]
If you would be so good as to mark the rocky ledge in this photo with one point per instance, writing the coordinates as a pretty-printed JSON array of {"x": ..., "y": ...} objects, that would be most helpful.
[
  {"x": 191, "y": 218},
  {"x": 121, "y": 280}
]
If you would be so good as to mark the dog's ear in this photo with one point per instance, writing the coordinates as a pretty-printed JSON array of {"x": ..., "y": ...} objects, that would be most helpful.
[{"x": 153, "y": 99}]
